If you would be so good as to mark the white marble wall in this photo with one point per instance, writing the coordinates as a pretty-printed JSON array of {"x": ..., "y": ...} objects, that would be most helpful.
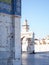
[
  {"x": 17, "y": 42},
  {"x": 41, "y": 48},
  {"x": 10, "y": 45}
]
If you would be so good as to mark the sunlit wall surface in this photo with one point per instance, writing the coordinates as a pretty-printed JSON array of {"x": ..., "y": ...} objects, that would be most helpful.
[{"x": 10, "y": 45}]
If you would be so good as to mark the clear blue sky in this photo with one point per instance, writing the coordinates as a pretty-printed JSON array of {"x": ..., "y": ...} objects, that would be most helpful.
[{"x": 37, "y": 14}]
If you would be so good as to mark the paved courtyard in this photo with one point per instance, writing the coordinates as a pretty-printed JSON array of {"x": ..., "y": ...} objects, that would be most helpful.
[{"x": 35, "y": 59}]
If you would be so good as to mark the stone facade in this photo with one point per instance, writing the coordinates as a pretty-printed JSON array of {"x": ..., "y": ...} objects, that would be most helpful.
[
  {"x": 27, "y": 38},
  {"x": 10, "y": 47},
  {"x": 10, "y": 41},
  {"x": 31, "y": 44}
]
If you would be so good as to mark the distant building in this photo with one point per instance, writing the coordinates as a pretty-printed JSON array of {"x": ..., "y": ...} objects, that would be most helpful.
[
  {"x": 30, "y": 43},
  {"x": 47, "y": 39},
  {"x": 36, "y": 41},
  {"x": 28, "y": 38}
]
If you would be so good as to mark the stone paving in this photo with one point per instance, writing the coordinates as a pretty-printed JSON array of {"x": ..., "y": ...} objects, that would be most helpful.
[{"x": 35, "y": 59}]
